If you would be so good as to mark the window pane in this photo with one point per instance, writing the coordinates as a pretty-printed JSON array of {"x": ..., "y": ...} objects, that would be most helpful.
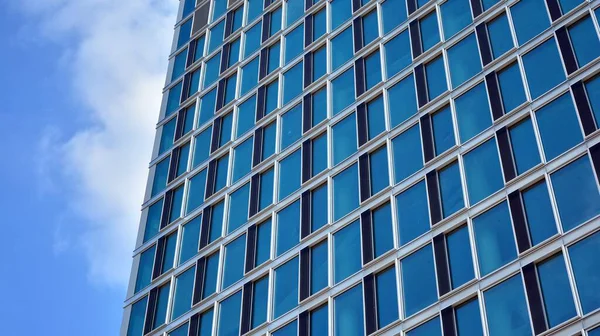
[
  {"x": 286, "y": 288},
  {"x": 450, "y": 189},
  {"x": 394, "y": 13},
  {"x": 226, "y": 128},
  {"x": 345, "y": 192},
  {"x": 319, "y": 24},
  {"x": 586, "y": 270},
  {"x": 210, "y": 278},
  {"x": 194, "y": 82},
  {"x": 436, "y": 78},
  {"x": 402, "y": 101},
  {"x": 245, "y": 116},
  {"x": 291, "y": 126},
  {"x": 291, "y": 329},
  {"x": 319, "y": 154},
  {"x": 184, "y": 33},
  {"x": 319, "y": 323},
  {"x": 530, "y": 19},
  {"x": 219, "y": 8},
  {"x": 153, "y": 220},
  {"x": 179, "y": 64},
  {"x": 387, "y": 297},
  {"x": 341, "y": 48},
  {"x": 292, "y": 83},
  {"x": 173, "y": 99},
  {"x": 456, "y": 15},
  {"x": 275, "y": 25},
  {"x": 263, "y": 243},
  {"x": 169, "y": 253},
  {"x": 429, "y": 328},
  {"x": 202, "y": 147},
  {"x": 460, "y": 261},
  {"x": 166, "y": 136},
  {"x": 538, "y": 211},
  {"x": 341, "y": 10},
  {"x": 289, "y": 174},
  {"x": 288, "y": 228},
  {"x": 593, "y": 93},
  {"x": 397, "y": 50},
  {"x": 318, "y": 208},
  {"x": 383, "y": 235},
  {"x": 318, "y": 267},
  {"x": 412, "y": 212},
  {"x": 160, "y": 312},
  {"x": 556, "y": 290},
  {"x": 376, "y": 117},
  {"x": 370, "y": 27},
  {"x": 319, "y": 63},
  {"x": 483, "y": 172},
  {"x": 144, "y": 272},
  {"x": 494, "y": 238},
  {"x": 372, "y": 70},
  {"x": 182, "y": 298},
  {"x": 207, "y": 106},
  {"x": 190, "y": 237},
  {"x": 473, "y": 112},
  {"x": 408, "y": 157},
  {"x": 319, "y": 106},
  {"x": 176, "y": 204},
  {"x": 239, "y": 12},
  {"x": 378, "y": 163},
  {"x": 342, "y": 89},
  {"x": 543, "y": 66},
  {"x": 346, "y": 252},
  {"x": 558, "y": 117},
  {"x": 266, "y": 188},
  {"x": 161, "y": 172},
  {"x": 238, "y": 208},
  {"x": 253, "y": 36},
  {"x": 430, "y": 34},
  {"x": 344, "y": 139},
  {"x": 242, "y": 159},
  {"x": 443, "y": 130},
  {"x": 294, "y": 41},
  {"x": 249, "y": 76},
  {"x": 269, "y": 137},
  {"x": 181, "y": 331},
  {"x": 255, "y": 8},
  {"x": 222, "y": 167},
  {"x": 463, "y": 59},
  {"x": 418, "y": 280},
  {"x": 230, "y": 86},
  {"x": 216, "y": 36},
  {"x": 295, "y": 9},
  {"x": 584, "y": 40},
  {"x": 229, "y": 315},
  {"x": 260, "y": 299},
  {"x": 348, "y": 313},
  {"x": 506, "y": 309},
  {"x": 137, "y": 318},
  {"x": 216, "y": 221},
  {"x": 233, "y": 262},
  {"x": 524, "y": 146},
  {"x": 468, "y": 319},
  {"x": 273, "y": 56},
  {"x": 199, "y": 52}
]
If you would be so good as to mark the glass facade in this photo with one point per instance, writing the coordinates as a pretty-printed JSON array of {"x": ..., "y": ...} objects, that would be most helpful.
[{"x": 401, "y": 167}]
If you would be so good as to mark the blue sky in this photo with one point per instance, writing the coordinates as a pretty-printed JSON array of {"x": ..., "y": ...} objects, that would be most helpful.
[{"x": 80, "y": 91}]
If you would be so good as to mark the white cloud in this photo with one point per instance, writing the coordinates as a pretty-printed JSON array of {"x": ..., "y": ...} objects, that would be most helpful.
[{"x": 115, "y": 54}]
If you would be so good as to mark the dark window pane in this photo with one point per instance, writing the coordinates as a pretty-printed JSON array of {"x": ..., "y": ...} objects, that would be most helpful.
[
  {"x": 412, "y": 212},
  {"x": 418, "y": 280},
  {"x": 494, "y": 238},
  {"x": 346, "y": 252}
]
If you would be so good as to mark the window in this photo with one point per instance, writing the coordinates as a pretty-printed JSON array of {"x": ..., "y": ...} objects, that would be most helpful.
[
  {"x": 341, "y": 48},
  {"x": 318, "y": 208},
  {"x": 153, "y": 216},
  {"x": 260, "y": 292},
  {"x": 294, "y": 42},
  {"x": 255, "y": 8},
  {"x": 319, "y": 321},
  {"x": 370, "y": 26},
  {"x": 295, "y": 10},
  {"x": 500, "y": 35},
  {"x": 543, "y": 68},
  {"x": 289, "y": 174},
  {"x": 538, "y": 211},
  {"x": 494, "y": 238},
  {"x": 188, "y": 7},
  {"x": 463, "y": 59},
  {"x": 319, "y": 58},
  {"x": 412, "y": 212},
  {"x": 341, "y": 10},
  {"x": 407, "y": 151},
  {"x": 506, "y": 308},
  {"x": 345, "y": 192},
  {"x": 199, "y": 52},
  {"x": 383, "y": 233},
  {"x": 273, "y": 94},
  {"x": 402, "y": 103},
  {"x": 273, "y": 57},
  {"x": 394, "y": 13},
  {"x": 483, "y": 172},
  {"x": 219, "y": 8},
  {"x": 222, "y": 166},
  {"x": 319, "y": 154},
  {"x": 188, "y": 117},
  {"x": 348, "y": 316},
  {"x": 210, "y": 278},
  {"x": 285, "y": 296},
  {"x": 269, "y": 137},
  {"x": 169, "y": 253},
  {"x": 558, "y": 117},
  {"x": 161, "y": 171},
  {"x": 226, "y": 128},
  {"x": 249, "y": 76},
  {"x": 207, "y": 106},
  {"x": 450, "y": 189},
  {"x": 230, "y": 85},
  {"x": 511, "y": 87},
  {"x": 233, "y": 261},
  {"x": 567, "y": 5},
  {"x": 173, "y": 99},
  {"x": 266, "y": 188},
  {"x": 319, "y": 24},
  {"x": 137, "y": 317},
  {"x": 291, "y": 126},
  {"x": 292, "y": 83},
  {"x": 460, "y": 260},
  {"x": 216, "y": 221},
  {"x": 319, "y": 106},
  {"x": 190, "y": 237},
  {"x": 196, "y": 188},
  {"x": 473, "y": 112},
  {"x": 586, "y": 271},
  {"x": 166, "y": 136},
  {"x": 275, "y": 25},
  {"x": 160, "y": 311},
  {"x": 397, "y": 51},
  {"x": 288, "y": 228},
  {"x": 194, "y": 82},
  {"x": 179, "y": 64},
  {"x": 216, "y": 36},
  {"x": 206, "y": 323},
  {"x": 556, "y": 290},
  {"x": 245, "y": 116},
  {"x": 592, "y": 87},
  {"x": 253, "y": 36},
  {"x": 456, "y": 15},
  {"x": 290, "y": 329},
  {"x": 184, "y": 33},
  {"x": 237, "y": 16},
  {"x": 387, "y": 297},
  {"x": 242, "y": 159},
  {"x": 378, "y": 164},
  {"x": 181, "y": 331},
  {"x": 346, "y": 252},
  {"x": 182, "y": 298},
  {"x": 530, "y": 19},
  {"x": 344, "y": 139},
  {"x": 443, "y": 130},
  {"x": 144, "y": 272},
  {"x": 468, "y": 318},
  {"x": 176, "y": 204},
  {"x": 263, "y": 243},
  {"x": 435, "y": 74},
  {"x": 318, "y": 267},
  {"x": 576, "y": 193},
  {"x": 584, "y": 40},
  {"x": 430, "y": 34},
  {"x": 229, "y": 315},
  {"x": 238, "y": 208},
  {"x": 372, "y": 70},
  {"x": 418, "y": 280},
  {"x": 429, "y": 328},
  {"x": 342, "y": 90}
]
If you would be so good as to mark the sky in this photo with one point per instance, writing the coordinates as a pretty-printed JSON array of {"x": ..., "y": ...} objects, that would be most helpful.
[{"x": 80, "y": 93}]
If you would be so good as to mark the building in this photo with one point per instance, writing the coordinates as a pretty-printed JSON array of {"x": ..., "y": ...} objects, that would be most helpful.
[{"x": 346, "y": 167}]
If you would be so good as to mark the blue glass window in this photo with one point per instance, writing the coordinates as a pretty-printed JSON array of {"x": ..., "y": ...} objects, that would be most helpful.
[
  {"x": 397, "y": 52},
  {"x": 169, "y": 253},
  {"x": 233, "y": 261},
  {"x": 341, "y": 48},
  {"x": 402, "y": 103},
  {"x": 538, "y": 211},
  {"x": 216, "y": 36},
  {"x": 229, "y": 315},
  {"x": 342, "y": 89},
  {"x": 137, "y": 318},
  {"x": 273, "y": 92},
  {"x": 412, "y": 212},
  {"x": 370, "y": 27},
  {"x": 182, "y": 298},
  {"x": 173, "y": 99},
  {"x": 160, "y": 312},
  {"x": 341, "y": 10},
  {"x": 230, "y": 85},
  {"x": 210, "y": 278},
  {"x": 253, "y": 36},
  {"x": 153, "y": 220},
  {"x": 378, "y": 163},
  {"x": 249, "y": 76},
  {"x": 394, "y": 13},
  {"x": 273, "y": 56},
  {"x": 473, "y": 112},
  {"x": 460, "y": 260},
  {"x": 586, "y": 270},
  {"x": 234, "y": 53},
  {"x": 463, "y": 59},
  {"x": 319, "y": 24},
  {"x": 275, "y": 25},
  {"x": 506, "y": 309},
  {"x": 260, "y": 298},
  {"x": 429, "y": 328},
  {"x": 242, "y": 156},
  {"x": 211, "y": 74},
  {"x": 567, "y": 5},
  {"x": 196, "y": 190},
  {"x": 238, "y": 208},
  {"x": 245, "y": 116},
  {"x": 188, "y": 7},
  {"x": 179, "y": 64},
  {"x": 188, "y": 123},
  {"x": 295, "y": 9},
  {"x": 266, "y": 188},
  {"x": 184, "y": 33},
  {"x": 226, "y": 129},
  {"x": 344, "y": 139},
  {"x": 144, "y": 272},
  {"x": 593, "y": 93},
  {"x": 319, "y": 106},
  {"x": 430, "y": 34},
  {"x": 500, "y": 36},
  {"x": 269, "y": 137},
  {"x": 387, "y": 294},
  {"x": 494, "y": 238},
  {"x": 318, "y": 267},
  {"x": 418, "y": 280},
  {"x": 524, "y": 146},
  {"x": 166, "y": 136},
  {"x": 289, "y": 174},
  {"x": 238, "y": 16},
  {"x": 543, "y": 67},
  {"x": 319, "y": 321},
  {"x": 319, "y": 58},
  {"x": 345, "y": 192},
  {"x": 383, "y": 233},
  {"x": 511, "y": 87},
  {"x": 288, "y": 228},
  {"x": 294, "y": 42},
  {"x": 182, "y": 163},
  {"x": 530, "y": 19},
  {"x": 216, "y": 221},
  {"x": 556, "y": 290},
  {"x": 176, "y": 204},
  {"x": 285, "y": 296},
  {"x": 443, "y": 130},
  {"x": 207, "y": 106},
  {"x": 450, "y": 189},
  {"x": 435, "y": 74},
  {"x": 346, "y": 252},
  {"x": 483, "y": 172},
  {"x": 255, "y": 8},
  {"x": 222, "y": 166},
  {"x": 199, "y": 52},
  {"x": 291, "y": 126},
  {"x": 558, "y": 117},
  {"x": 292, "y": 82},
  {"x": 456, "y": 15},
  {"x": 290, "y": 329},
  {"x": 584, "y": 40},
  {"x": 372, "y": 70},
  {"x": 263, "y": 243},
  {"x": 348, "y": 316},
  {"x": 318, "y": 208},
  {"x": 407, "y": 151},
  {"x": 190, "y": 236},
  {"x": 219, "y": 8},
  {"x": 319, "y": 154},
  {"x": 182, "y": 330},
  {"x": 468, "y": 319},
  {"x": 161, "y": 171}
]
